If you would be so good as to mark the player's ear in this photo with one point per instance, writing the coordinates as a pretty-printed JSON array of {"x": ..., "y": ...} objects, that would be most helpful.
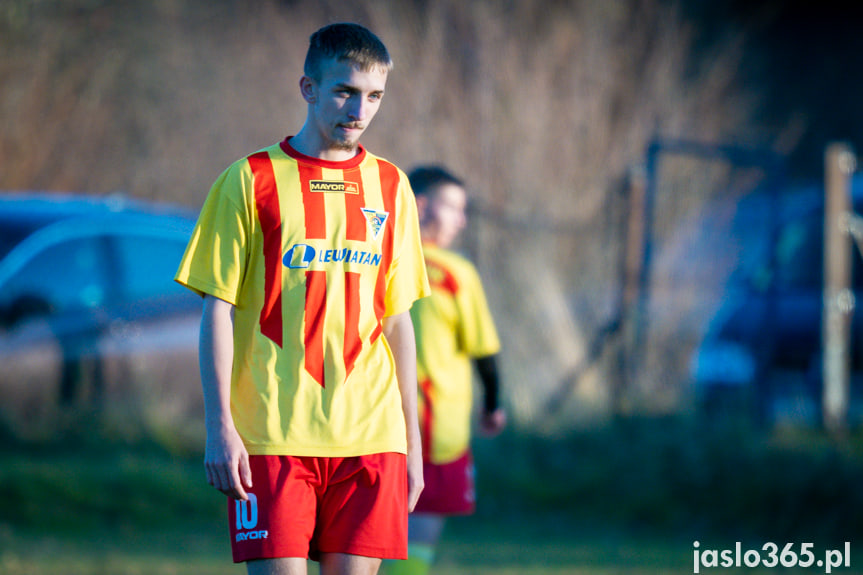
[
  {"x": 422, "y": 206},
  {"x": 308, "y": 88}
]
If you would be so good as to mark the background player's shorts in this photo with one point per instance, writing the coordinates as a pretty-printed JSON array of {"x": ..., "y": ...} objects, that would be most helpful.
[
  {"x": 304, "y": 506},
  {"x": 449, "y": 487}
]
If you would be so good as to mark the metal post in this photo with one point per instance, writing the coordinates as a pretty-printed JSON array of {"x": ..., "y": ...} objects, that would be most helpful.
[
  {"x": 640, "y": 327},
  {"x": 631, "y": 262},
  {"x": 838, "y": 297}
]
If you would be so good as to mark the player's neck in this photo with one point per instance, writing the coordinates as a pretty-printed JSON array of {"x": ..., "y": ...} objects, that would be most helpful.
[
  {"x": 432, "y": 239},
  {"x": 310, "y": 144}
]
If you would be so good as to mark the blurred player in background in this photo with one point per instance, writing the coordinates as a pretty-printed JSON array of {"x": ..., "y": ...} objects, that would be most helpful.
[{"x": 454, "y": 332}]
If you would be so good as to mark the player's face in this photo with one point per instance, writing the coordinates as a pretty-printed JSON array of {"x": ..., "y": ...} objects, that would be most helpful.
[
  {"x": 447, "y": 215},
  {"x": 345, "y": 100}
]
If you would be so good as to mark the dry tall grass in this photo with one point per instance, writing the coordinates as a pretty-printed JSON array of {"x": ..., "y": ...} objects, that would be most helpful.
[{"x": 543, "y": 106}]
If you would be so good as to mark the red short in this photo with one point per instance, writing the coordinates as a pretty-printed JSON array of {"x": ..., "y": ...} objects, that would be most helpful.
[
  {"x": 449, "y": 487},
  {"x": 305, "y": 506}
]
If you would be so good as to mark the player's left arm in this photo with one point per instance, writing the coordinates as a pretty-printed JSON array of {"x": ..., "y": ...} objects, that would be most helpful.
[
  {"x": 478, "y": 338},
  {"x": 493, "y": 418},
  {"x": 399, "y": 331}
]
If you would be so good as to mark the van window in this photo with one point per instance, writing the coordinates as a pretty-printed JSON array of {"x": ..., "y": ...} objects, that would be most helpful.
[
  {"x": 799, "y": 256},
  {"x": 147, "y": 266},
  {"x": 68, "y": 275}
]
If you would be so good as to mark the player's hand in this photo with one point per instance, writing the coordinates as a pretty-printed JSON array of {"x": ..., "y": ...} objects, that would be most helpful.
[
  {"x": 492, "y": 422},
  {"x": 416, "y": 483},
  {"x": 227, "y": 463}
]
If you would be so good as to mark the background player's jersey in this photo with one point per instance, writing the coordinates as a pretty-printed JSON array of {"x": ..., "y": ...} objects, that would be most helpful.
[
  {"x": 313, "y": 254},
  {"x": 452, "y": 326}
]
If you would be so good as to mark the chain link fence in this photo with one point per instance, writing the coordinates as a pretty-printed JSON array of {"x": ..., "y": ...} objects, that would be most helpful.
[{"x": 601, "y": 317}]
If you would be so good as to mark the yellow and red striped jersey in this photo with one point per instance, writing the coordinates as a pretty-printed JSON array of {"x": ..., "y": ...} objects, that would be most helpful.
[
  {"x": 452, "y": 326},
  {"x": 313, "y": 254}
]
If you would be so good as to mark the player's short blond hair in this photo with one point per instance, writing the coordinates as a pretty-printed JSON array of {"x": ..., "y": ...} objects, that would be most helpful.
[{"x": 346, "y": 42}]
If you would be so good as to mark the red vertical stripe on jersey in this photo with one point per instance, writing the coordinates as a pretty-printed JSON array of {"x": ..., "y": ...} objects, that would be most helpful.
[
  {"x": 313, "y": 202},
  {"x": 441, "y": 278},
  {"x": 269, "y": 216},
  {"x": 426, "y": 417},
  {"x": 353, "y": 344},
  {"x": 389, "y": 189},
  {"x": 316, "y": 311},
  {"x": 356, "y": 221}
]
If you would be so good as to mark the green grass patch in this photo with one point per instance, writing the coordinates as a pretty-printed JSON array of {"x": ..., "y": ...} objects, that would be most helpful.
[
  {"x": 630, "y": 498},
  {"x": 75, "y": 491},
  {"x": 673, "y": 477}
]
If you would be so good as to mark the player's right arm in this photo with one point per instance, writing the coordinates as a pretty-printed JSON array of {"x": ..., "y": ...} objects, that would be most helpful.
[
  {"x": 225, "y": 458},
  {"x": 399, "y": 331}
]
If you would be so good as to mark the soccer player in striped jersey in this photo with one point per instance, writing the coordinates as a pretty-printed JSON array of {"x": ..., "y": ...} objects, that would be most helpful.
[
  {"x": 454, "y": 333},
  {"x": 308, "y": 256}
]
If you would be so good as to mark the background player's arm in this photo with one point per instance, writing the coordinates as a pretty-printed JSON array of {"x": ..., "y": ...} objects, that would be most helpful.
[
  {"x": 493, "y": 418},
  {"x": 399, "y": 332},
  {"x": 226, "y": 459}
]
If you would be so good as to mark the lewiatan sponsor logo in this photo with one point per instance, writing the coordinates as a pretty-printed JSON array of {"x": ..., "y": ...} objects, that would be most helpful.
[{"x": 302, "y": 256}]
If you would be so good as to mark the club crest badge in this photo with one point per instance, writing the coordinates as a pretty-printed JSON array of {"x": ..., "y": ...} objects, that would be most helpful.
[{"x": 376, "y": 220}]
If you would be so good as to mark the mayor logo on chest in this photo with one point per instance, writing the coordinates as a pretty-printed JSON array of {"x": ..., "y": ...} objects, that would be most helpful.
[{"x": 332, "y": 186}]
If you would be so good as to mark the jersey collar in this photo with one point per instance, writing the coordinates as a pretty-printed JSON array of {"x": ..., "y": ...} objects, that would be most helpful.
[{"x": 345, "y": 165}]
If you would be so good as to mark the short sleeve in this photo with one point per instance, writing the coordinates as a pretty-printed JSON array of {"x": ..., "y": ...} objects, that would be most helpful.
[
  {"x": 476, "y": 332},
  {"x": 407, "y": 281},
  {"x": 215, "y": 259}
]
